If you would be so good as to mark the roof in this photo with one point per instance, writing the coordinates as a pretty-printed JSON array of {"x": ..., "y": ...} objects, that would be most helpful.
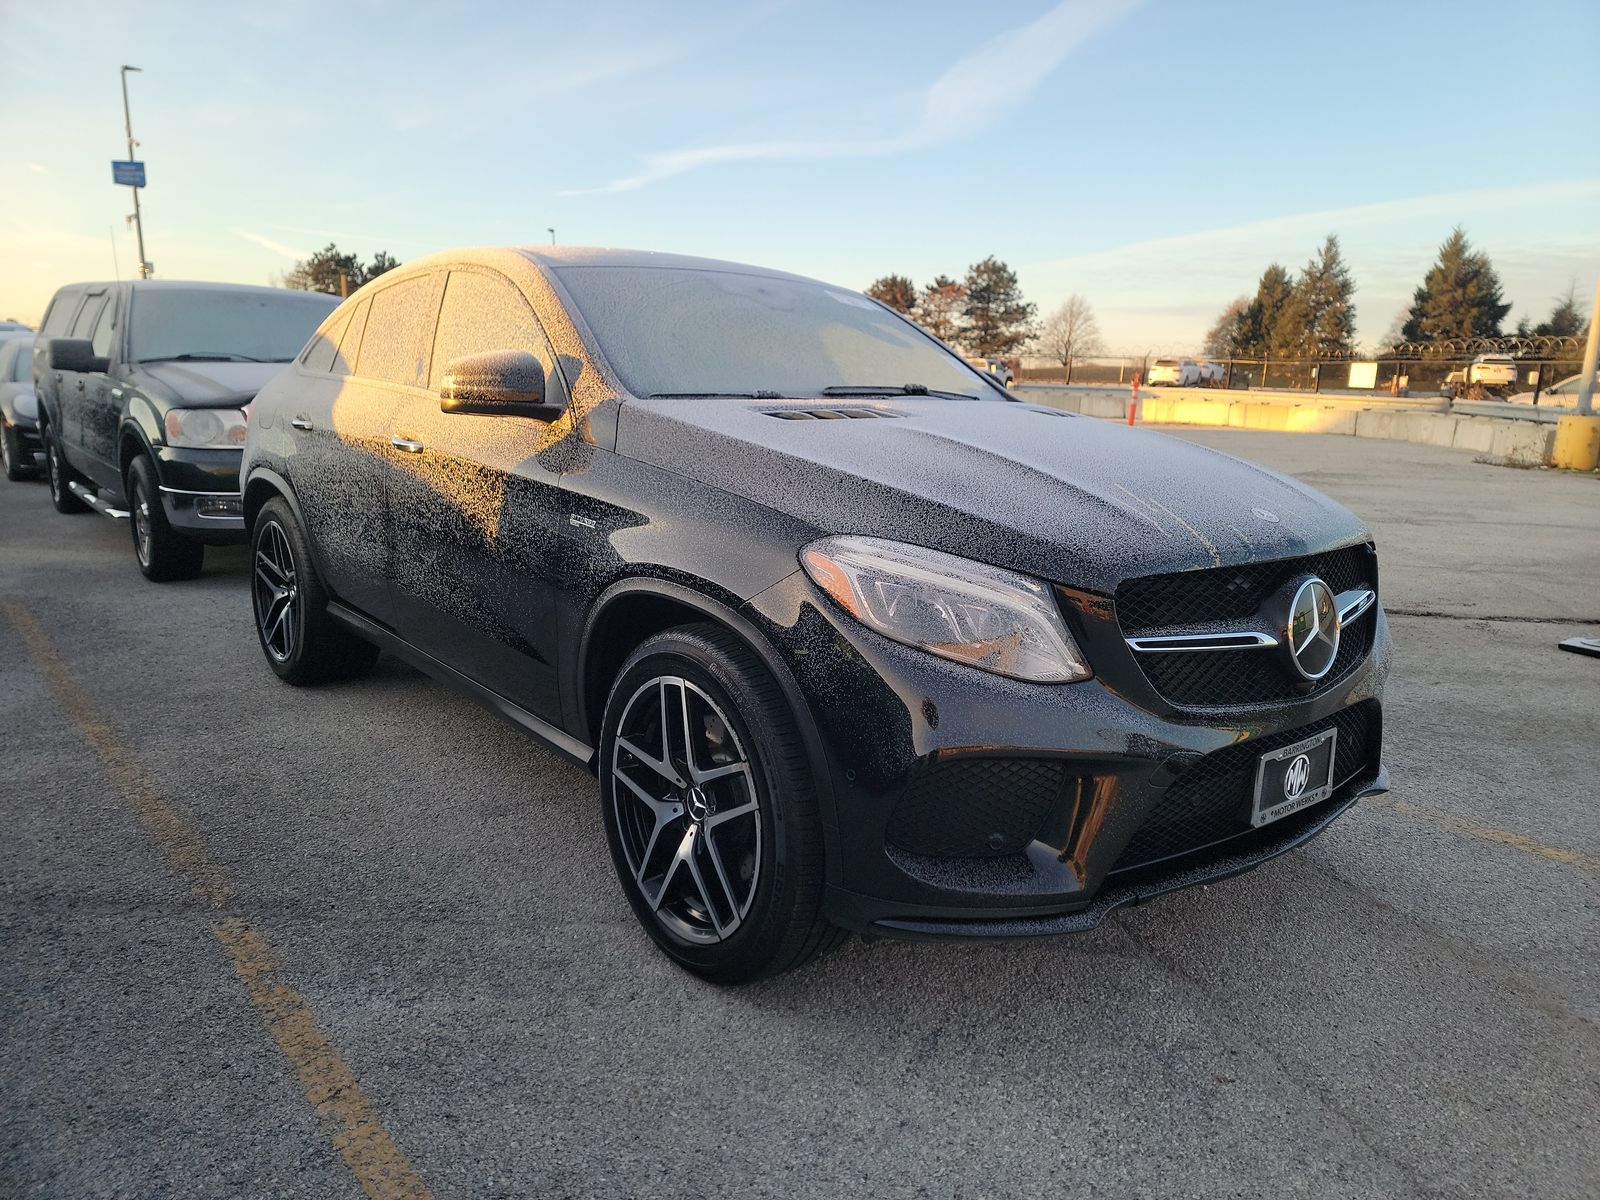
[
  {"x": 184, "y": 285},
  {"x": 601, "y": 256}
]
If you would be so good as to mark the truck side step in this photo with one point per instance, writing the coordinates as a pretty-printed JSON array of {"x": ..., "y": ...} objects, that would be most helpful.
[{"x": 93, "y": 500}]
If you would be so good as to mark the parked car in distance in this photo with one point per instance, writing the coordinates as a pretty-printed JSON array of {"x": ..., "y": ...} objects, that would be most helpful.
[
  {"x": 853, "y": 639},
  {"x": 15, "y": 327},
  {"x": 142, "y": 390},
  {"x": 1184, "y": 372},
  {"x": 1486, "y": 377},
  {"x": 997, "y": 367},
  {"x": 1557, "y": 394},
  {"x": 19, "y": 422}
]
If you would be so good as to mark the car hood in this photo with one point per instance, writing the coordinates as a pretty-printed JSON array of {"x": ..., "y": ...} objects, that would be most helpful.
[
  {"x": 205, "y": 384},
  {"x": 1083, "y": 502}
]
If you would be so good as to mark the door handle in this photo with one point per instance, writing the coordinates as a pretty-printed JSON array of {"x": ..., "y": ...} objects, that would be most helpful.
[
  {"x": 300, "y": 422},
  {"x": 409, "y": 445}
]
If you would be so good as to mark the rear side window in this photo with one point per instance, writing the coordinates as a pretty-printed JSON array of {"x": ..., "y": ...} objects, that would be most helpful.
[
  {"x": 103, "y": 327},
  {"x": 481, "y": 313},
  {"x": 319, "y": 353},
  {"x": 88, "y": 315},
  {"x": 350, "y": 344},
  {"x": 59, "y": 319},
  {"x": 22, "y": 364},
  {"x": 398, "y": 334}
]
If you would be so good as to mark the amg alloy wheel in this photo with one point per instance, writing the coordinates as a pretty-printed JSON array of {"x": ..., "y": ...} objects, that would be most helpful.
[
  {"x": 304, "y": 645},
  {"x": 687, "y": 809},
  {"x": 710, "y": 810}
]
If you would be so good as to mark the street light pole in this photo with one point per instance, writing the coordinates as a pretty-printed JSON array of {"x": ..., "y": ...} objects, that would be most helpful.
[
  {"x": 138, "y": 220},
  {"x": 552, "y": 233}
]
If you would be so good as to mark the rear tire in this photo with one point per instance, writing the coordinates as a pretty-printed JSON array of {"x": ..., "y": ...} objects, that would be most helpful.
[
  {"x": 18, "y": 463},
  {"x": 303, "y": 644},
  {"x": 164, "y": 555},
  {"x": 710, "y": 809},
  {"x": 59, "y": 475}
]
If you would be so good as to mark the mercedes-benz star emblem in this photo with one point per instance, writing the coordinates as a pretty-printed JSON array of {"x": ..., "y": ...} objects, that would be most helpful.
[
  {"x": 699, "y": 807},
  {"x": 1313, "y": 633},
  {"x": 1296, "y": 777}
]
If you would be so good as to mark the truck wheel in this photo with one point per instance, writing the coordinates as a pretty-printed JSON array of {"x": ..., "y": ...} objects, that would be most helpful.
[
  {"x": 59, "y": 475},
  {"x": 164, "y": 554},
  {"x": 303, "y": 644}
]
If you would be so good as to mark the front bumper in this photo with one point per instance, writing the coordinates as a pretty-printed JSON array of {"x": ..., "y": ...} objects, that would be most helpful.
[
  {"x": 200, "y": 493},
  {"x": 889, "y": 718}
]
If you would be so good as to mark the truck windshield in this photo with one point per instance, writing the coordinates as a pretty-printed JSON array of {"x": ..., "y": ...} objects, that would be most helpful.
[
  {"x": 688, "y": 332},
  {"x": 222, "y": 325}
]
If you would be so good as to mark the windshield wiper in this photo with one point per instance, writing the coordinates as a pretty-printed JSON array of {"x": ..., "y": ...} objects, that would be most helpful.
[
  {"x": 207, "y": 357},
  {"x": 757, "y": 395},
  {"x": 894, "y": 389}
]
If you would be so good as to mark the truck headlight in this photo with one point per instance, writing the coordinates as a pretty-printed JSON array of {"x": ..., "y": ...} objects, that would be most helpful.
[
  {"x": 206, "y": 428},
  {"x": 966, "y": 611}
]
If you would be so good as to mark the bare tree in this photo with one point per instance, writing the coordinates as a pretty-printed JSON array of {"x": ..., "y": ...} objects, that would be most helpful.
[
  {"x": 1227, "y": 336},
  {"x": 1070, "y": 333},
  {"x": 939, "y": 309}
]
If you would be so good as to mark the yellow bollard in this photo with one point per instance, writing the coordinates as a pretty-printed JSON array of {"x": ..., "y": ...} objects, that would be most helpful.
[{"x": 1577, "y": 445}]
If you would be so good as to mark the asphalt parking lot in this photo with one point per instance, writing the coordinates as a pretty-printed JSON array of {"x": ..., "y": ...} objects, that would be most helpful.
[{"x": 268, "y": 942}]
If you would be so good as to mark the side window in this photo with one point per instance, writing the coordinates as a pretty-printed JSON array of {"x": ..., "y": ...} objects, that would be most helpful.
[
  {"x": 22, "y": 364},
  {"x": 88, "y": 315},
  {"x": 62, "y": 309},
  {"x": 318, "y": 355},
  {"x": 480, "y": 313},
  {"x": 103, "y": 329},
  {"x": 350, "y": 344},
  {"x": 399, "y": 331}
]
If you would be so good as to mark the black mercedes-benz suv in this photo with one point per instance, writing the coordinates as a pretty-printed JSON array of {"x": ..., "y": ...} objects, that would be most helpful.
[
  {"x": 852, "y": 639},
  {"x": 143, "y": 388}
]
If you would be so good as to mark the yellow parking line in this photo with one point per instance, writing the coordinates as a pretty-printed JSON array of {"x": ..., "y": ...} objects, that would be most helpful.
[
  {"x": 1456, "y": 823},
  {"x": 330, "y": 1086}
]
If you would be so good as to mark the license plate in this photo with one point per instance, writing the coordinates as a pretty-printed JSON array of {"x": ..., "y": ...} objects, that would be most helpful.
[{"x": 1288, "y": 780}]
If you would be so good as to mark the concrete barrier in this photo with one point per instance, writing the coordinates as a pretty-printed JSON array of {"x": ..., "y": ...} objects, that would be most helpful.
[{"x": 1516, "y": 439}]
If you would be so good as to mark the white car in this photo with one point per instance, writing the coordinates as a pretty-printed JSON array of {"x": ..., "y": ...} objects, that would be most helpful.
[
  {"x": 1565, "y": 392},
  {"x": 1183, "y": 372}
]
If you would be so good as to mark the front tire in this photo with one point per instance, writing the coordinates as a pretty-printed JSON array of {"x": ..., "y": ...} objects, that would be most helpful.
[
  {"x": 710, "y": 810},
  {"x": 18, "y": 463},
  {"x": 59, "y": 475},
  {"x": 164, "y": 555},
  {"x": 303, "y": 644}
]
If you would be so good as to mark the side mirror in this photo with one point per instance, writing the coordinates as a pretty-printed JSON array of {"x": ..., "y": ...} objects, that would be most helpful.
[
  {"x": 504, "y": 383},
  {"x": 76, "y": 354}
]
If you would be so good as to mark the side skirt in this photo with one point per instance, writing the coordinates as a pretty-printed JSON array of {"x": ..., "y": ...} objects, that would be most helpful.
[{"x": 426, "y": 663}]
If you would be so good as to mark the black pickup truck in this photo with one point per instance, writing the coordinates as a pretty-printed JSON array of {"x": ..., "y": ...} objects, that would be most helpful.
[{"x": 143, "y": 390}]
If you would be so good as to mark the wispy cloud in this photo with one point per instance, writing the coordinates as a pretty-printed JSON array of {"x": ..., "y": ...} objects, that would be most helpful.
[
  {"x": 38, "y": 168},
  {"x": 969, "y": 97},
  {"x": 276, "y": 247},
  {"x": 1451, "y": 206}
]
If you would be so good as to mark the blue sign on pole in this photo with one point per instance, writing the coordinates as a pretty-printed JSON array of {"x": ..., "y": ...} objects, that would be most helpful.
[{"x": 127, "y": 173}]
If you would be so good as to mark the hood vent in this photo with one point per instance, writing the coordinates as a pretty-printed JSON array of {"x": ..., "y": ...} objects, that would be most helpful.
[{"x": 830, "y": 414}]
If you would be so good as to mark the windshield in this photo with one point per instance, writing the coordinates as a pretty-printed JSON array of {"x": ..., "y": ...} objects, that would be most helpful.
[
  {"x": 228, "y": 326},
  {"x": 680, "y": 331}
]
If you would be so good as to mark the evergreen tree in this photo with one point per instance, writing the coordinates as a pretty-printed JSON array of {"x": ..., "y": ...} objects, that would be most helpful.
[
  {"x": 1566, "y": 319},
  {"x": 1320, "y": 316},
  {"x": 897, "y": 291},
  {"x": 1261, "y": 315},
  {"x": 336, "y": 271},
  {"x": 1459, "y": 297},
  {"x": 998, "y": 319}
]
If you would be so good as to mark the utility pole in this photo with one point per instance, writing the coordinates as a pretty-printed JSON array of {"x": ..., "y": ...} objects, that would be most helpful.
[
  {"x": 138, "y": 221},
  {"x": 552, "y": 233}
]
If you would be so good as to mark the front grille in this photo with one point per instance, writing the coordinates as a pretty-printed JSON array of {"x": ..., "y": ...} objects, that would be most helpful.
[
  {"x": 1223, "y": 594},
  {"x": 1234, "y": 596},
  {"x": 1210, "y": 802},
  {"x": 976, "y": 807}
]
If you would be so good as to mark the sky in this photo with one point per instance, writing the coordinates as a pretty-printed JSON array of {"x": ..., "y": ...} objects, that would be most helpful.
[{"x": 1153, "y": 156}]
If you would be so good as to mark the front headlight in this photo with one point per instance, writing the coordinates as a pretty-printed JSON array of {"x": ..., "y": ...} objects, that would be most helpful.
[
  {"x": 206, "y": 428},
  {"x": 966, "y": 611}
]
